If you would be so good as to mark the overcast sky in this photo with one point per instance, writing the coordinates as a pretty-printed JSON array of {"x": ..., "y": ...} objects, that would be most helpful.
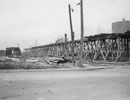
[{"x": 25, "y": 21}]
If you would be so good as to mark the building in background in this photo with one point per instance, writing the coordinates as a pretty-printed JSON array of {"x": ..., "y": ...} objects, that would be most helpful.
[
  {"x": 121, "y": 26},
  {"x": 2, "y": 53},
  {"x": 13, "y": 51}
]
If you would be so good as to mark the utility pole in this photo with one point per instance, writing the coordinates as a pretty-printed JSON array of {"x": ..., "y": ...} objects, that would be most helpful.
[
  {"x": 36, "y": 43},
  {"x": 17, "y": 44},
  {"x": 65, "y": 51},
  {"x": 82, "y": 34},
  {"x": 72, "y": 35}
]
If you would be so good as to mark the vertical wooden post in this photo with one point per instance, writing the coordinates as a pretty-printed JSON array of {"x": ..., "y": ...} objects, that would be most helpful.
[
  {"x": 72, "y": 35},
  {"x": 65, "y": 46},
  {"x": 128, "y": 48},
  {"x": 112, "y": 49},
  {"x": 118, "y": 48},
  {"x": 82, "y": 34}
]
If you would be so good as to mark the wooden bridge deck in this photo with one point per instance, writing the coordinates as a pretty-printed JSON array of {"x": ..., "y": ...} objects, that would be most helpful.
[{"x": 103, "y": 47}]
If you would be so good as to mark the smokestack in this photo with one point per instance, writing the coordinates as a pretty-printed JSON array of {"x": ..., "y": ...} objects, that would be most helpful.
[{"x": 65, "y": 37}]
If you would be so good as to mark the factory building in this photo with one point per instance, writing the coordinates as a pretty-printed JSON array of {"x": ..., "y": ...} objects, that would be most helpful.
[
  {"x": 13, "y": 51},
  {"x": 121, "y": 26}
]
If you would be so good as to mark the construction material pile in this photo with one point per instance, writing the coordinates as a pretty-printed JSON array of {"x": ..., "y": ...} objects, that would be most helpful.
[
  {"x": 32, "y": 63},
  {"x": 22, "y": 63}
]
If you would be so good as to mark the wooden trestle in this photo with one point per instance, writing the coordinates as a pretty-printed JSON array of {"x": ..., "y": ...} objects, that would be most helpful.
[{"x": 103, "y": 47}]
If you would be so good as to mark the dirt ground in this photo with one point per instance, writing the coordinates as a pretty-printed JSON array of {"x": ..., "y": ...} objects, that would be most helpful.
[{"x": 103, "y": 84}]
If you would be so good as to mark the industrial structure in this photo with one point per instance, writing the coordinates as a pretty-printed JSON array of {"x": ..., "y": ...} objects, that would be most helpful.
[
  {"x": 103, "y": 47},
  {"x": 112, "y": 47},
  {"x": 2, "y": 53},
  {"x": 13, "y": 51},
  {"x": 121, "y": 26}
]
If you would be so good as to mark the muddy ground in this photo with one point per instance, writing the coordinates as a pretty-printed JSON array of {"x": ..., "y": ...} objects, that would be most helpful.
[{"x": 103, "y": 84}]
